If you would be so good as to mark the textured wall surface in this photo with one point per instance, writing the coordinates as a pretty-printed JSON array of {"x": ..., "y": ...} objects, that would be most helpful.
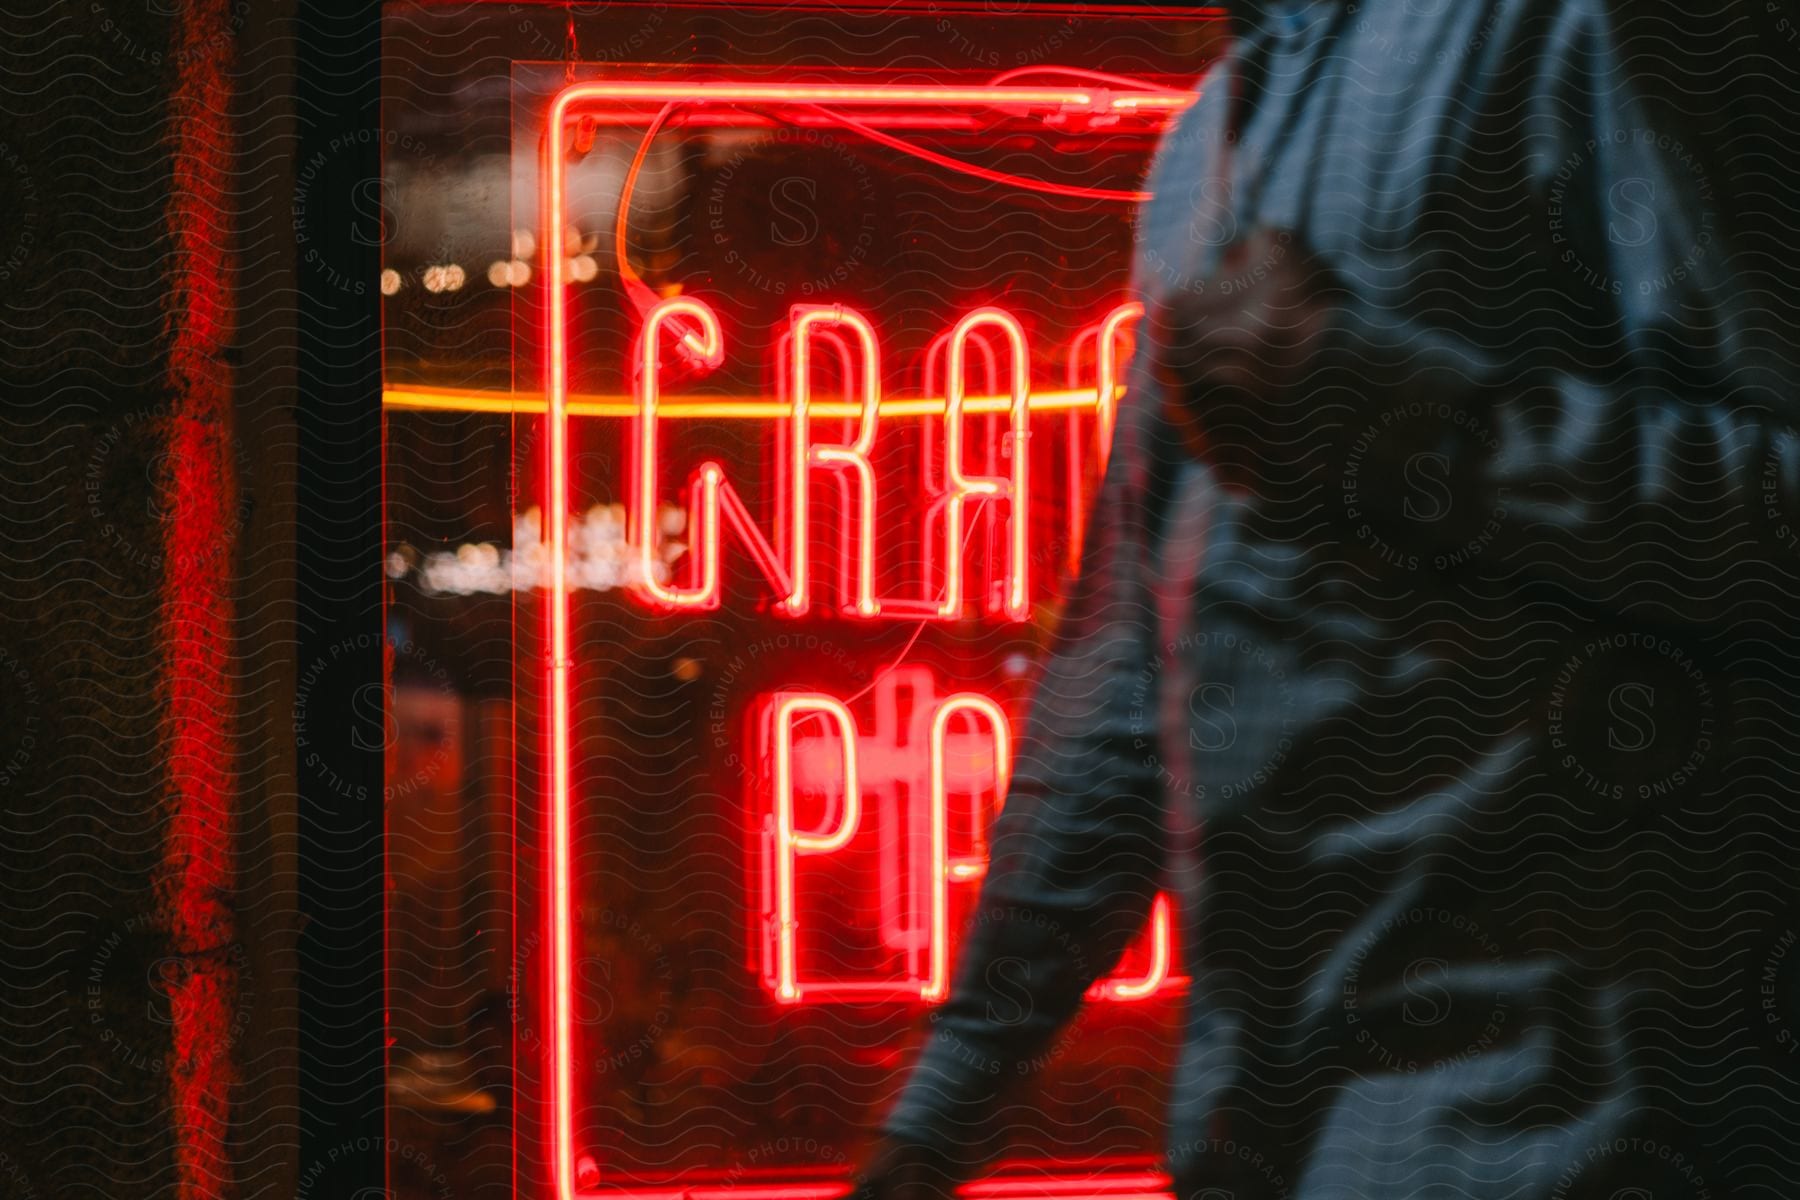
[
  {"x": 129, "y": 994},
  {"x": 86, "y": 402}
]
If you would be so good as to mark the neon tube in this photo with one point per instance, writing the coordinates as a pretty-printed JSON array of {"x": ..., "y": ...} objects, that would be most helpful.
[
  {"x": 1107, "y": 387},
  {"x": 713, "y": 504},
  {"x": 962, "y": 487},
  {"x": 703, "y": 520},
  {"x": 937, "y": 981},
  {"x": 418, "y": 398},
  {"x": 790, "y": 843},
  {"x": 805, "y": 318},
  {"x": 556, "y": 525},
  {"x": 1099, "y": 100},
  {"x": 1161, "y": 954}
]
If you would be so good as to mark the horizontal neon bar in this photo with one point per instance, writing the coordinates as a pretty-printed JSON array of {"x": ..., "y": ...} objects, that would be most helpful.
[
  {"x": 430, "y": 399},
  {"x": 1136, "y": 1186},
  {"x": 1093, "y": 99},
  {"x": 1034, "y": 1186},
  {"x": 804, "y": 1191}
]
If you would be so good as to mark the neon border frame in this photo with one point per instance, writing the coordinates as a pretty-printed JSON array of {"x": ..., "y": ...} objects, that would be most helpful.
[{"x": 556, "y": 499}]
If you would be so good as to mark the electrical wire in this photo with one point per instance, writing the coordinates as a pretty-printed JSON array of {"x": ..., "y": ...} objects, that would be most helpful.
[
  {"x": 634, "y": 284},
  {"x": 1024, "y": 183},
  {"x": 1105, "y": 77},
  {"x": 900, "y": 658},
  {"x": 643, "y": 297}
]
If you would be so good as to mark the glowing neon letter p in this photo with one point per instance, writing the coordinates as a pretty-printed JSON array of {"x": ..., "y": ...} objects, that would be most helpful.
[{"x": 790, "y": 843}]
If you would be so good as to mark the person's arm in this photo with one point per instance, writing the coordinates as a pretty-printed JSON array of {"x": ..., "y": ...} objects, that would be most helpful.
[
  {"x": 1628, "y": 493},
  {"x": 1077, "y": 852}
]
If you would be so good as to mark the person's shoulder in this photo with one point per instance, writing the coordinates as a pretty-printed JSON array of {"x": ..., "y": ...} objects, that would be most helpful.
[
  {"x": 1678, "y": 30},
  {"x": 1604, "y": 43}
]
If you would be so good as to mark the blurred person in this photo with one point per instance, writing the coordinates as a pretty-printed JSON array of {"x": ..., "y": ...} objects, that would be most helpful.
[{"x": 1435, "y": 638}]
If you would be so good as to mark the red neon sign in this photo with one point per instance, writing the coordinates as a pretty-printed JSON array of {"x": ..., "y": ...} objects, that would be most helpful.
[
  {"x": 869, "y": 778},
  {"x": 715, "y": 505},
  {"x": 815, "y": 746}
]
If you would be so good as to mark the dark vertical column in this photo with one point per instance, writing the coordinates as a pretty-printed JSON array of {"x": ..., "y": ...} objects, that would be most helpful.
[
  {"x": 338, "y": 717},
  {"x": 264, "y": 1147}
]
